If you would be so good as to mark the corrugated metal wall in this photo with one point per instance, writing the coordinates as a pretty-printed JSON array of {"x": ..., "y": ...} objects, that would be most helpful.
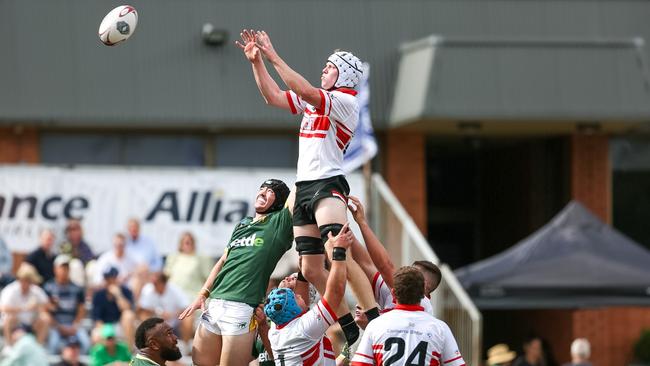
[{"x": 54, "y": 69}]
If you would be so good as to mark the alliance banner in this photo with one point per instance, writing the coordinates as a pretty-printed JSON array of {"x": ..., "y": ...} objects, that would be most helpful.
[{"x": 206, "y": 202}]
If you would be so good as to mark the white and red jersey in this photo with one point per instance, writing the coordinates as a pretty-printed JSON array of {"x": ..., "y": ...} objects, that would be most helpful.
[
  {"x": 385, "y": 299},
  {"x": 325, "y": 132},
  {"x": 302, "y": 341},
  {"x": 407, "y": 336}
]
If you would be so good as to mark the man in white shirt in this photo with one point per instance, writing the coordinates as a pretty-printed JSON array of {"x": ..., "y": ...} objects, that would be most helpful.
[
  {"x": 407, "y": 335},
  {"x": 142, "y": 248},
  {"x": 330, "y": 114},
  {"x": 23, "y": 301},
  {"x": 116, "y": 258},
  {"x": 165, "y": 300}
]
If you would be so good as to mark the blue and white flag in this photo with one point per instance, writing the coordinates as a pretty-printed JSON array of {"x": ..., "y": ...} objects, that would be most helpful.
[{"x": 363, "y": 146}]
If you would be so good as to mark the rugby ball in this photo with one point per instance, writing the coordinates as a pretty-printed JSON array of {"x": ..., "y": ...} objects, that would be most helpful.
[{"x": 118, "y": 25}]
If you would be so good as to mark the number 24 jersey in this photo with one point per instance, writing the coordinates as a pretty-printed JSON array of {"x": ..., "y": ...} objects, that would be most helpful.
[{"x": 407, "y": 336}]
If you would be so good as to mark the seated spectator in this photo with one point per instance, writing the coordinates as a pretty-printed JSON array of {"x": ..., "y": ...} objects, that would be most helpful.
[
  {"x": 43, "y": 257},
  {"x": 26, "y": 350},
  {"x": 165, "y": 300},
  {"x": 23, "y": 301},
  {"x": 75, "y": 246},
  {"x": 6, "y": 265},
  {"x": 66, "y": 307},
  {"x": 187, "y": 269},
  {"x": 109, "y": 350},
  {"x": 113, "y": 304},
  {"x": 580, "y": 353},
  {"x": 117, "y": 258},
  {"x": 142, "y": 248},
  {"x": 500, "y": 355},
  {"x": 70, "y": 353}
]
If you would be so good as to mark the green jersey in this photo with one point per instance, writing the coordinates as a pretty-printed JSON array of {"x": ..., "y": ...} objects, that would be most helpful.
[
  {"x": 99, "y": 354},
  {"x": 254, "y": 249},
  {"x": 140, "y": 360}
]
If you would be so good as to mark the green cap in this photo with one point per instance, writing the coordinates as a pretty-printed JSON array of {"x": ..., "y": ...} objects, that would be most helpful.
[{"x": 108, "y": 330}]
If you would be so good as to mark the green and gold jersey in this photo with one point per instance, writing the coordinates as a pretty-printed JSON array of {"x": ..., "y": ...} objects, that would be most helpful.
[
  {"x": 140, "y": 360},
  {"x": 254, "y": 249}
]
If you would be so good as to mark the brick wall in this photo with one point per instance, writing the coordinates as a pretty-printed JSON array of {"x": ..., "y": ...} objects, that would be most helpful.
[
  {"x": 590, "y": 174},
  {"x": 19, "y": 145},
  {"x": 612, "y": 332},
  {"x": 405, "y": 172}
]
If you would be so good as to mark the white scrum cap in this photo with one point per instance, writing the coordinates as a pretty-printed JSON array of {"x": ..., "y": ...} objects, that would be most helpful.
[{"x": 349, "y": 67}]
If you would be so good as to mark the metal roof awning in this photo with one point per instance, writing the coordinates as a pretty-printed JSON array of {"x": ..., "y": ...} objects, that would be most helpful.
[{"x": 536, "y": 82}]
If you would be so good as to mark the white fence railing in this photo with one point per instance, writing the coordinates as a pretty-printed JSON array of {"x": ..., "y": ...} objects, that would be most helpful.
[{"x": 406, "y": 244}]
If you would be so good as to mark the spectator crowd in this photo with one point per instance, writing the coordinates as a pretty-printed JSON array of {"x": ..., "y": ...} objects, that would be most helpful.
[{"x": 65, "y": 303}]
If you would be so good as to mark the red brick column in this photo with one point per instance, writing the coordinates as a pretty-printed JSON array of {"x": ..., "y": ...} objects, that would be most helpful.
[
  {"x": 405, "y": 172},
  {"x": 612, "y": 332},
  {"x": 590, "y": 174},
  {"x": 19, "y": 145}
]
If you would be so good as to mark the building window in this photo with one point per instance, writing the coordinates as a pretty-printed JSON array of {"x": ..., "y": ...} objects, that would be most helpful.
[
  {"x": 121, "y": 149},
  {"x": 279, "y": 151},
  {"x": 630, "y": 159}
]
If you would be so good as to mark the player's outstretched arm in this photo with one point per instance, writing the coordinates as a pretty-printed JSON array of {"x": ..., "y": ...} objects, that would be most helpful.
[
  {"x": 361, "y": 256},
  {"x": 335, "y": 287},
  {"x": 291, "y": 78},
  {"x": 378, "y": 253},
  {"x": 269, "y": 89},
  {"x": 359, "y": 282},
  {"x": 199, "y": 302}
]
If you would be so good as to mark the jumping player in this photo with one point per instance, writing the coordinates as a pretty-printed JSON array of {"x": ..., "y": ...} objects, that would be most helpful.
[
  {"x": 407, "y": 335},
  {"x": 298, "y": 338},
  {"x": 330, "y": 115},
  {"x": 238, "y": 281}
]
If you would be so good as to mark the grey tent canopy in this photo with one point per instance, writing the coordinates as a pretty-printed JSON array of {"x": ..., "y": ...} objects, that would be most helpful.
[{"x": 574, "y": 261}]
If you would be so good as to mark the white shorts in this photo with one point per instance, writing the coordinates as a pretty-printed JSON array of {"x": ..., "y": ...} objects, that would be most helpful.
[{"x": 224, "y": 317}]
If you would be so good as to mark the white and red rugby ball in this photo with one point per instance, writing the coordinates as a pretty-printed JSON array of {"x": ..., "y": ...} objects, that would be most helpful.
[{"x": 118, "y": 25}]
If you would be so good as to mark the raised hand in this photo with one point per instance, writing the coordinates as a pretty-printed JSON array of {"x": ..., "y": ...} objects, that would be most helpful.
[
  {"x": 343, "y": 239},
  {"x": 358, "y": 212},
  {"x": 251, "y": 51},
  {"x": 263, "y": 42},
  {"x": 199, "y": 303}
]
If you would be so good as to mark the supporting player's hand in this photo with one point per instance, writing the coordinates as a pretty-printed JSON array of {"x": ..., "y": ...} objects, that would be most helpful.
[
  {"x": 251, "y": 51},
  {"x": 358, "y": 212},
  {"x": 260, "y": 317},
  {"x": 343, "y": 239},
  {"x": 263, "y": 42},
  {"x": 199, "y": 303}
]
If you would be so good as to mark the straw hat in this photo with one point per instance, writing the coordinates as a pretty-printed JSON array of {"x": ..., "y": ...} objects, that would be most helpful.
[
  {"x": 499, "y": 354},
  {"x": 27, "y": 271}
]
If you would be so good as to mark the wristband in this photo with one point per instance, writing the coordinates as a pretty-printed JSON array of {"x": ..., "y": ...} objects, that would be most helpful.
[
  {"x": 338, "y": 254},
  {"x": 205, "y": 292},
  {"x": 300, "y": 277}
]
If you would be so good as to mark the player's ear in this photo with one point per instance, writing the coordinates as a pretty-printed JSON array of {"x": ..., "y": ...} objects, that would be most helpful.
[{"x": 152, "y": 344}]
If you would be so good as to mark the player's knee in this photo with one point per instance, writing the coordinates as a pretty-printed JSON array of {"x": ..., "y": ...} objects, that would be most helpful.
[
  {"x": 306, "y": 245},
  {"x": 335, "y": 229}
]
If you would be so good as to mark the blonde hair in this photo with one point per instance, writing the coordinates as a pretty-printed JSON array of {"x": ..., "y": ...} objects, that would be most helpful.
[{"x": 184, "y": 235}]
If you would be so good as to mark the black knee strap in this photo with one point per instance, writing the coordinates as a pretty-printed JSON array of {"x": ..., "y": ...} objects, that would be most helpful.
[
  {"x": 335, "y": 229},
  {"x": 306, "y": 245}
]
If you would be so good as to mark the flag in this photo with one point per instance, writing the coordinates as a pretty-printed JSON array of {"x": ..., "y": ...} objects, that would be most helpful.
[{"x": 363, "y": 146}]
